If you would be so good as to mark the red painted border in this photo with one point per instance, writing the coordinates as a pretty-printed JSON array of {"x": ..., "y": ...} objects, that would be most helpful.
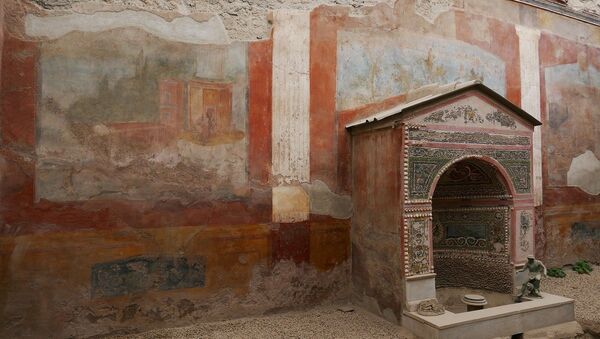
[{"x": 260, "y": 71}]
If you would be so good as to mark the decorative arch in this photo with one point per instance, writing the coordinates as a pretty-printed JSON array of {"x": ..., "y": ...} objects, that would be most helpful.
[
  {"x": 472, "y": 224},
  {"x": 504, "y": 175}
]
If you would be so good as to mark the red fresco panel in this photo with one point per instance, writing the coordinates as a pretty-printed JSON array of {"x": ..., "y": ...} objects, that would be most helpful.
[
  {"x": 19, "y": 91},
  {"x": 504, "y": 42},
  {"x": 260, "y": 54},
  {"x": 291, "y": 242},
  {"x": 323, "y": 59}
]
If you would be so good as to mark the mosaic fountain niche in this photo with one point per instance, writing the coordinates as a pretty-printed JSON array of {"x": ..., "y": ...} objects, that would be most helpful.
[
  {"x": 443, "y": 198},
  {"x": 471, "y": 218}
]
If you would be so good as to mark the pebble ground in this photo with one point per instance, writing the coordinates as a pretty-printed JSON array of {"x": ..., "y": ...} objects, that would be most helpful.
[
  {"x": 328, "y": 322},
  {"x": 320, "y": 322},
  {"x": 585, "y": 290}
]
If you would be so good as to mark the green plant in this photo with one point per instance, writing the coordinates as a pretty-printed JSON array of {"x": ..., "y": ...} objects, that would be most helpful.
[
  {"x": 556, "y": 272},
  {"x": 582, "y": 266}
]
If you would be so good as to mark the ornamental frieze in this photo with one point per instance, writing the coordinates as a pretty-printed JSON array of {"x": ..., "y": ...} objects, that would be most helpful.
[
  {"x": 470, "y": 115},
  {"x": 467, "y": 138},
  {"x": 425, "y": 163}
]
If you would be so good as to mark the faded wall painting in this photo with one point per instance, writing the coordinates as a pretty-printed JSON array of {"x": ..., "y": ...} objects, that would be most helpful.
[
  {"x": 566, "y": 85},
  {"x": 473, "y": 111},
  {"x": 124, "y": 114},
  {"x": 139, "y": 274},
  {"x": 375, "y": 66}
]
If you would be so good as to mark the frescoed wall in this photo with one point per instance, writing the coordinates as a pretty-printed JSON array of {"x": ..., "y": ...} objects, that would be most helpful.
[
  {"x": 127, "y": 115},
  {"x": 375, "y": 66},
  {"x": 570, "y": 94},
  {"x": 144, "y": 149},
  {"x": 136, "y": 180}
]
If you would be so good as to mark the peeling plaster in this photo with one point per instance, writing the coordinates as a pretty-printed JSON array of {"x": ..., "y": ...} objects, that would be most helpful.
[
  {"x": 431, "y": 9},
  {"x": 183, "y": 29},
  {"x": 325, "y": 202},
  {"x": 290, "y": 204},
  {"x": 243, "y": 19},
  {"x": 589, "y": 6},
  {"x": 584, "y": 173}
]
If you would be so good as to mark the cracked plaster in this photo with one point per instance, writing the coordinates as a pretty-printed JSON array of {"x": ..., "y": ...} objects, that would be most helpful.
[{"x": 243, "y": 19}]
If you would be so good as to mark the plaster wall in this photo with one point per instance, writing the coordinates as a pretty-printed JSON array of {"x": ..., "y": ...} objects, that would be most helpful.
[
  {"x": 1, "y": 36},
  {"x": 377, "y": 263},
  {"x": 136, "y": 187},
  {"x": 85, "y": 188},
  {"x": 570, "y": 87}
]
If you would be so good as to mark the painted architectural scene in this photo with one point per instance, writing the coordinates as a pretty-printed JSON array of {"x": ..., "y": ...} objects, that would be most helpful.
[
  {"x": 307, "y": 169},
  {"x": 127, "y": 115}
]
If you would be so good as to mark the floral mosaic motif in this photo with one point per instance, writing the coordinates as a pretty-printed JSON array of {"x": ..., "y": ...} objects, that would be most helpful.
[
  {"x": 517, "y": 163},
  {"x": 427, "y": 170},
  {"x": 504, "y": 119},
  {"x": 468, "y": 138},
  {"x": 465, "y": 112},
  {"x": 418, "y": 246},
  {"x": 525, "y": 226},
  {"x": 474, "y": 228}
]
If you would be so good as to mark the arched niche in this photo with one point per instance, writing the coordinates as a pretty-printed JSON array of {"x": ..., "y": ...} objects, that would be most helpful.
[{"x": 471, "y": 217}]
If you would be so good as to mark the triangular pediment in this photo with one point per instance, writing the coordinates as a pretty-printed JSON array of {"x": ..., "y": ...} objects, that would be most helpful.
[{"x": 471, "y": 105}]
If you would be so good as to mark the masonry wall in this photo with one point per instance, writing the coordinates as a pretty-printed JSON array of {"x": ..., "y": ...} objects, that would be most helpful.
[
  {"x": 158, "y": 170},
  {"x": 377, "y": 261}
]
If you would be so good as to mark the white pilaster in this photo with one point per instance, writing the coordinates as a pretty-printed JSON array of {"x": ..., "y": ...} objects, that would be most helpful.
[
  {"x": 530, "y": 97},
  {"x": 291, "y": 99}
]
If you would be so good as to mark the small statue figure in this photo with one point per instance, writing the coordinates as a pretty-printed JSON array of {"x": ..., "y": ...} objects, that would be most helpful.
[{"x": 532, "y": 286}]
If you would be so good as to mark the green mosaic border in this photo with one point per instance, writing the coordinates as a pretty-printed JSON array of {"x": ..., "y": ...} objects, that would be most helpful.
[{"x": 425, "y": 163}]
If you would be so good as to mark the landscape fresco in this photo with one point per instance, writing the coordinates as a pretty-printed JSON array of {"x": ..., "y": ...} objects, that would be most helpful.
[
  {"x": 373, "y": 67},
  {"x": 126, "y": 115}
]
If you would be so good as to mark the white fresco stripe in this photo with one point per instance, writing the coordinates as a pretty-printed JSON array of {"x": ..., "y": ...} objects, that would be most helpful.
[{"x": 531, "y": 97}]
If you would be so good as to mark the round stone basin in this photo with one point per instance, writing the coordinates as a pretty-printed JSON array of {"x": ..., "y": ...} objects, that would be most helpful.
[{"x": 452, "y": 298}]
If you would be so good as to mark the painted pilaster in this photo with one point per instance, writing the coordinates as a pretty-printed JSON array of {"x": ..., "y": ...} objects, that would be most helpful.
[
  {"x": 291, "y": 129},
  {"x": 530, "y": 97}
]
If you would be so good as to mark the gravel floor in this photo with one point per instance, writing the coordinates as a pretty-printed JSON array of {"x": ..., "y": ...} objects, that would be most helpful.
[
  {"x": 328, "y": 322},
  {"x": 585, "y": 289},
  {"x": 320, "y": 322}
]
